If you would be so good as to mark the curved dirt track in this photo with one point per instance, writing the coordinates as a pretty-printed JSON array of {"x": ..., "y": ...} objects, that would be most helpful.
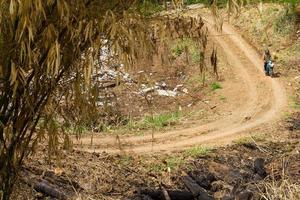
[{"x": 260, "y": 99}]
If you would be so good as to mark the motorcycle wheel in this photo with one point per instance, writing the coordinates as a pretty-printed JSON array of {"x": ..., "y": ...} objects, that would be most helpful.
[{"x": 271, "y": 73}]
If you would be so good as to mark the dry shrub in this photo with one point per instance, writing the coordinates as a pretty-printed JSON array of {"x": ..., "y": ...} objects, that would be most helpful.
[
  {"x": 283, "y": 189},
  {"x": 47, "y": 45}
]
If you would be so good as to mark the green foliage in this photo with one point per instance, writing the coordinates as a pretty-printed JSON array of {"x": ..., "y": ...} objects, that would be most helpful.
[
  {"x": 156, "y": 167},
  {"x": 126, "y": 160},
  {"x": 181, "y": 45},
  {"x": 285, "y": 23},
  {"x": 220, "y": 3},
  {"x": 198, "y": 151},
  {"x": 177, "y": 51},
  {"x": 149, "y": 122},
  {"x": 148, "y": 7},
  {"x": 174, "y": 162},
  {"x": 291, "y": 2},
  {"x": 294, "y": 49},
  {"x": 222, "y": 98},
  {"x": 294, "y": 102},
  {"x": 296, "y": 105},
  {"x": 215, "y": 86},
  {"x": 162, "y": 120},
  {"x": 189, "y": 2}
]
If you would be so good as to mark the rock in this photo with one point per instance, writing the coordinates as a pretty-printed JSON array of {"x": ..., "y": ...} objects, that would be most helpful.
[
  {"x": 167, "y": 93},
  {"x": 259, "y": 167}
]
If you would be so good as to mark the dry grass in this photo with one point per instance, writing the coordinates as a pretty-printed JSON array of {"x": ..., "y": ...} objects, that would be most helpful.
[{"x": 281, "y": 190}]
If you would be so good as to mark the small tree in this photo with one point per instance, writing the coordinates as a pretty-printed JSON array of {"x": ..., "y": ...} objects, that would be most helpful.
[{"x": 41, "y": 43}]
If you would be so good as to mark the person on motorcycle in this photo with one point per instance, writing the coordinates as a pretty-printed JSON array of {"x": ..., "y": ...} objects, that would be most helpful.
[{"x": 267, "y": 57}]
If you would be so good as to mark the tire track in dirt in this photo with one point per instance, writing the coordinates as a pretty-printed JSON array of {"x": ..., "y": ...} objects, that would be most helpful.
[{"x": 265, "y": 99}]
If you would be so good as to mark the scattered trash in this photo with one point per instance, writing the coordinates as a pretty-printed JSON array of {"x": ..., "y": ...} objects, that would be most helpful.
[
  {"x": 177, "y": 87},
  {"x": 147, "y": 90},
  {"x": 162, "y": 89},
  {"x": 168, "y": 93}
]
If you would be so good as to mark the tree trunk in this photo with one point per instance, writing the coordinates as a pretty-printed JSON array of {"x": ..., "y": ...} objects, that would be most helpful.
[{"x": 7, "y": 178}]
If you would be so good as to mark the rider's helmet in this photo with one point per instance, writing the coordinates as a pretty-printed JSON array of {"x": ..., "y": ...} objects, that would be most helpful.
[{"x": 267, "y": 51}]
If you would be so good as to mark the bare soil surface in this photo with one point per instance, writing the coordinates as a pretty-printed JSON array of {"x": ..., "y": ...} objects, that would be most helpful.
[{"x": 258, "y": 101}]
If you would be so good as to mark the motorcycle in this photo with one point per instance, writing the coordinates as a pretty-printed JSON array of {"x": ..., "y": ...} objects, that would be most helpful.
[{"x": 270, "y": 68}]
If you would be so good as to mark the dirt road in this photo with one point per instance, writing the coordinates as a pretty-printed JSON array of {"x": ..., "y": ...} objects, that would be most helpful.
[{"x": 260, "y": 100}]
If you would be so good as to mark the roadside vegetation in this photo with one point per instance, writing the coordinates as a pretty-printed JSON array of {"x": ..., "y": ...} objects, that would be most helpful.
[
  {"x": 215, "y": 86},
  {"x": 187, "y": 47},
  {"x": 155, "y": 122},
  {"x": 149, "y": 7},
  {"x": 251, "y": 140},
  {"x": 197, "y": 151},
  {"x": 284, "y": 189}
]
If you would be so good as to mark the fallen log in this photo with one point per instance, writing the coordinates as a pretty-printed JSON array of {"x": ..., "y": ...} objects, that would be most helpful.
[
  {"x": 165, "y": 193},
  {"x": 43, "y": 187},
  {"x": 197, "y": 191},
  {"x": 157, "y": 194},
  {"x": 145, "y": 197},
  {"x": 204, "y": 179},
  {"x": 59, "y": 180}
]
